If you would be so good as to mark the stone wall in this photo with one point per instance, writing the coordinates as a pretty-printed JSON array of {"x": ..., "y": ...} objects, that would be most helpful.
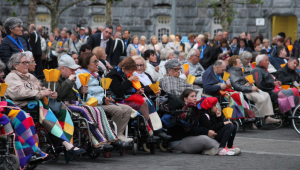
[{"x": 140, "y": 16}]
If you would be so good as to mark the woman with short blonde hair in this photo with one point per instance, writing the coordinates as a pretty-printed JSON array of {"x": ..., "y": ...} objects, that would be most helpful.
[{"x": 134, "y": 46}]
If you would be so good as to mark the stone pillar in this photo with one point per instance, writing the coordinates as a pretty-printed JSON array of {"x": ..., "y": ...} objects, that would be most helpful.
[{"x": 173, "y": 18}]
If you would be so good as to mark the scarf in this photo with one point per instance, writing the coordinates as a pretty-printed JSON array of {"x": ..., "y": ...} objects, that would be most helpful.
[
  {"x": 144, "y": 79},
  {"x": 154, "y": 64}
]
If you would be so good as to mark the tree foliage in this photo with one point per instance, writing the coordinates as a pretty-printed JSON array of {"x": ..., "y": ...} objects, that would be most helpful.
[{"x": 227, "y": 11}]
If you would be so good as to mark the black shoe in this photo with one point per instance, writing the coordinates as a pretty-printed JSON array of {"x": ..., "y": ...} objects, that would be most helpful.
[
  {"x": 164, "y": 136},
  {"x": 106, "y": 147},
  {"x": 153, "y": 138},
  {"x": 73, "y": 152},
  {"x": 121, "y": 145}
]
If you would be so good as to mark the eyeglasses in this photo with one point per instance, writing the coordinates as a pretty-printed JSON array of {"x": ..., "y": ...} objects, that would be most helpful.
[
  {"x": 176, "y": 69},
  {"x": 24, "y": 62},
  {"x": 140, "y": 65},
  {"x": 95, "y": 61},
  {"x": 33, "y": 62},
  {"x": 197, "y": 56}
]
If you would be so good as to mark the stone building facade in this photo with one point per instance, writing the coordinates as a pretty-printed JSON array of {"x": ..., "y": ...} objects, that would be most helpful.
[{"x": 153, "y": 17}]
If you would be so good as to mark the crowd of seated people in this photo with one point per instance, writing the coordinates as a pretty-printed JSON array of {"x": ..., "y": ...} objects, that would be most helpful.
[{"x": 157, "y": 62}]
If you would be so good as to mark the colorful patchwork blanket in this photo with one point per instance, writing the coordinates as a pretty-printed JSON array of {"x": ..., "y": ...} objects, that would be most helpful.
[
  {"x": 102, "y": 134},
  {"x": 26, "y": 140},
  {"x": 60, "y": 126}
]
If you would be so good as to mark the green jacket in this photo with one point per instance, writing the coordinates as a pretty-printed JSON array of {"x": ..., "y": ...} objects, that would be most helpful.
[{"x": 64, "y": 88}]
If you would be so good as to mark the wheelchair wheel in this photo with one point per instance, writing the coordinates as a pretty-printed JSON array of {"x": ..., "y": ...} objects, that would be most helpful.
[
  {"x": 135, "y": 148},
  {"x": 296, "y": 122},
  {"x": 164, "y": 146},
  {"x": 106, "y": 154},
  {"x": 146, "y": 147},
  {"x": 56, "y": 155},
  {"x": 76, "y": 157},
  {"x": 277, "y": 125},
  {"x": 94, "y": 155},
  {"x": 237, "y": 125},
  {"x": 11, "y": 162},
  {"x": 153, "y": 148}
]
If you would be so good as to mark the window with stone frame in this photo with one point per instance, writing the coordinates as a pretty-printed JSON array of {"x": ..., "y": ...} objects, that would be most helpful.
[
  {"x": 215, "y": 26},
  {"x": 44, "y": 21},
  {"x": 98, "y": 20},
  {"x": 163, "y": 27}
]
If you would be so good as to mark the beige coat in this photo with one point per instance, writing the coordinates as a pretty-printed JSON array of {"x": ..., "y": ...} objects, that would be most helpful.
[
  {"x": 22, "y": 87},
  {"x": 66, "y": 49}
]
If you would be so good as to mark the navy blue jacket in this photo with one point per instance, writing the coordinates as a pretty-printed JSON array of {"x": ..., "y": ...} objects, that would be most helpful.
[
  {"x": 8, "y": 48},
  {"x": 210, "y": 81},
  {"x": 276, "y": 62}
]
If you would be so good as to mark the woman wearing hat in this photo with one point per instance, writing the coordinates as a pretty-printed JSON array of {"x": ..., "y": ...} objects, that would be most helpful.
[
  {"x": 187, "y": 137},
  {"x": 212, "y": 119}
]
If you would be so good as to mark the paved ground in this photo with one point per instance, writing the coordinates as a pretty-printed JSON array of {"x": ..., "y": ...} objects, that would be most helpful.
[{"x": 261, "y": 149}]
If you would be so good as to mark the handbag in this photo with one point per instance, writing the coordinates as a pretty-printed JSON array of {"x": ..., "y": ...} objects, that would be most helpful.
[
  {"x": 249, "y": 113},
  {"x": 55, "y": 106}
]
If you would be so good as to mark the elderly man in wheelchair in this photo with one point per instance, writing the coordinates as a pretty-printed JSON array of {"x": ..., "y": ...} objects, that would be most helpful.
[{"x": 215, "y": 83}]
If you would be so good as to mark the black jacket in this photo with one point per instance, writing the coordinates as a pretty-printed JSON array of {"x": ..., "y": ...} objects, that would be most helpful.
[
  {"x": 219, "y": 50},
  {"x": 182, "y": 46},
  {"x": 35, "y": 43},
  {"x": 263, "y": 79},
  {"x": 237, "y": 50},
  {"x": 288, "y": 76},
  {"x": 118, "y": 50},
  {"x": 213, "y": 123},
  {"x": 208, "y": 58},
  {"x": 95, "y": 41},
  {"x": 8, "y": 48},
  {"x": 119, "y": 86}
]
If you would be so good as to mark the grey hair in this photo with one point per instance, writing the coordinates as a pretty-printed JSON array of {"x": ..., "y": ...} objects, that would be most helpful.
[
  {"x": 51, "y": 34},
  {"x": 12, "y": 23},
  {"x": 171, "y": 64},
  {"x": 75, "y": 34},
  {"x": 218, "y": 63},
  {"x": 165, "y": 53},
  {"x": 119, "y": 34},
  {"x": 14, "y": 59},
  {"x": 143, "y": 37},
  {"x": 2, "y": 65},
  {"x": 191, "y": 53},
  {"x": 245, "y": 55},
  {"x": 28, "y": 55},
  {"x": 164, "y": 36},
  {"x": 259, "y": 58},
  {"x": 183, "y": 55}
]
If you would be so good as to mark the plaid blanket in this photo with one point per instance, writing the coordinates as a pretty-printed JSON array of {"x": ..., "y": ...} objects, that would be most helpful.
[
  {"x": 25, "y": 140},
  {"x": 6, "y": 125},
  {"x": 102, "y": 134},
  {"x": 61, "y": 126}
]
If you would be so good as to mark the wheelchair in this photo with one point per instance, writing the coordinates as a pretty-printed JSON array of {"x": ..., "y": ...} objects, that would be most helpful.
[
  {"x": 81, "y": 137},
  {"x": 7, "y": 154}
]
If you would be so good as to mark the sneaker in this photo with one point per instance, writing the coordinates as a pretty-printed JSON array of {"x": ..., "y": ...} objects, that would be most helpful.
[
  {"x": 225, "y": 151},
  {"x": 234, "y": 149},
  {"x": 269, "y": 120},
  {"x": 212, "y": 151},
  {"x": 124, "y": 139}
]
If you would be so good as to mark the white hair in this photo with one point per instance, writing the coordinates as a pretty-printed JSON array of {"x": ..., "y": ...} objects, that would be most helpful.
[
  {"x": 164, "y": 36},
  {"x": 200, "y": 36},
  {"x": 143, "y": 37},
  {"x": 28, "y": 55},
  {"x": 191, "y": 53},
  {"x": 259, "y": 58}
]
